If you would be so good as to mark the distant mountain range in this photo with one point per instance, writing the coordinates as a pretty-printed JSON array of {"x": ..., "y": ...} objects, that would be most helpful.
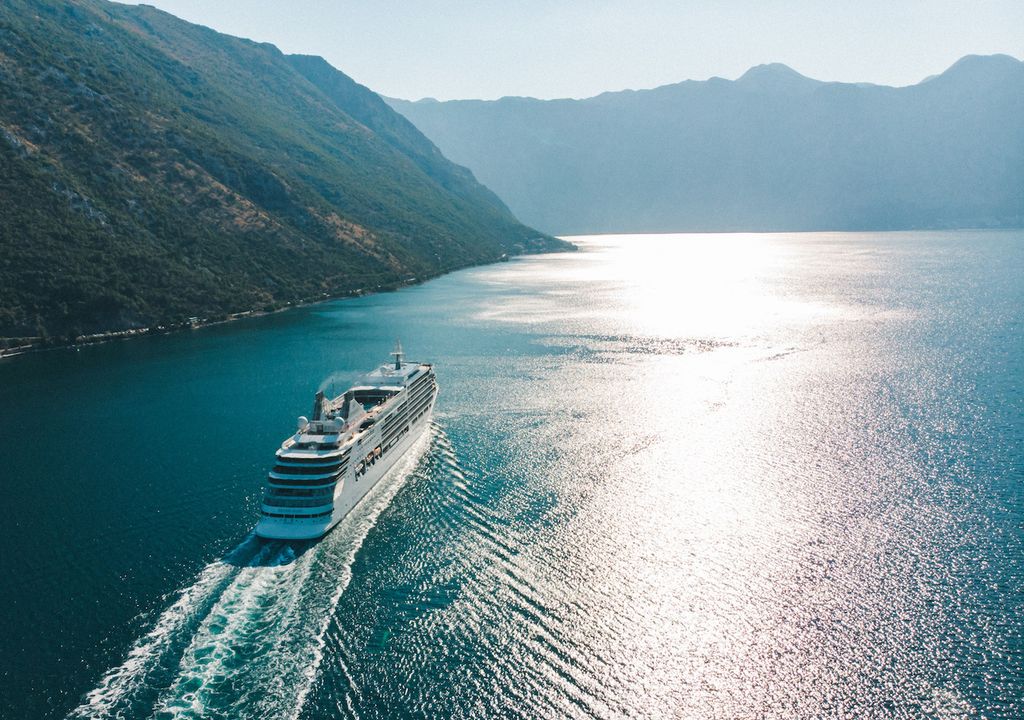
[
  {"x": 773, "y": 150},
  {"x": 152, "y": 170}
]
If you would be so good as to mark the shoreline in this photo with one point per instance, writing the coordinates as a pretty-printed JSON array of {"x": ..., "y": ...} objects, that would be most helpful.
[
  {"x": 43, "y": 345},
  {"x": 39, "y": 345},
  {"x": 197, "y": 323}
]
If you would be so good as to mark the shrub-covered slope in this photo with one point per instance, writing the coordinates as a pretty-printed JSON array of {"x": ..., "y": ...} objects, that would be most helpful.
[{"x": 152, "y": 170}]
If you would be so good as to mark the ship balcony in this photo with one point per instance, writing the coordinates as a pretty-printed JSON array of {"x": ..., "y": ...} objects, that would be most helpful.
[
  {"x": 306, "y": 470},
  {"x": 277, "y": 504},
  {"x": 307, "y": 458},
  {"x": 314, "y": 477}
]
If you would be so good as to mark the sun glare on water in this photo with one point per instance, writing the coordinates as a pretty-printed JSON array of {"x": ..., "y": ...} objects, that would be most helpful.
[
  {"x": 669, "y": 286},
  {"x": 745, "y": 505}
]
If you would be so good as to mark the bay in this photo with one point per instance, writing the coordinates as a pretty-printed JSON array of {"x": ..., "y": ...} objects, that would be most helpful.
[{"x": 752, "y": 475}]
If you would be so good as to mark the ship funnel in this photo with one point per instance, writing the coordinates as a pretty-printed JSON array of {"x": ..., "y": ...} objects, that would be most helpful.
[
  {"x": 320, "y": 406},
  {"x": 397, "y": 352}
]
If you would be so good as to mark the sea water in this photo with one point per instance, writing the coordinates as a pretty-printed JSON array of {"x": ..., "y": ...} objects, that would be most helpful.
[{"x": 729, "y": 476}]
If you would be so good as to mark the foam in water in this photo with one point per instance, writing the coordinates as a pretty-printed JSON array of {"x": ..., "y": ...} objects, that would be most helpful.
[
  {"x": 250, "y": 631},
  {"x": 122, "y": 682}
]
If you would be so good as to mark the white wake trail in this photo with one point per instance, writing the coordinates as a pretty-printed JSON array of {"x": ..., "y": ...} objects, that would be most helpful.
[
  {"x": 258, "y": 650},
  {"x": 119, "y": 685},
  {"x": 232, "y": 634}
]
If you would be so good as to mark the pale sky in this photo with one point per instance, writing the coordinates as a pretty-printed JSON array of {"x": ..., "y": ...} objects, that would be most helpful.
[{"x": 489, "y": 48}]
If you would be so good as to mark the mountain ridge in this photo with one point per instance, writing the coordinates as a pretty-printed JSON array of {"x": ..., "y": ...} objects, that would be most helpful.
[
  {"x": 771, "y": 150},
  {"x": 970, "y": 59}
]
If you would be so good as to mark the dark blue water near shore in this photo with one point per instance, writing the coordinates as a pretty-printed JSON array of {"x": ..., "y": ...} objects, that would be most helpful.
[{"x": 669, "y": 476}]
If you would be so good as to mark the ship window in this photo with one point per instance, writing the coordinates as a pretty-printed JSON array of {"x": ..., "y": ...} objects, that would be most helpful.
[
  {"x": 300, "y": 492},
  {"x": 297, "y": 517},
  {"x": 310, "y": 482},
  {"x": 307, "y": 470},
  {"x": 279, "y": 502},
  {"x": 320, "y": 459}
]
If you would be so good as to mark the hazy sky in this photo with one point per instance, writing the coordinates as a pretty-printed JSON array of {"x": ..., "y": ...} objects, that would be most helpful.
[{"x": 489, "y": 48}]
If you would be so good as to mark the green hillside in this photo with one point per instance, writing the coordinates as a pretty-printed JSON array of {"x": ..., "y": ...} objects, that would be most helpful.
[{"x": 152, "y": 170}]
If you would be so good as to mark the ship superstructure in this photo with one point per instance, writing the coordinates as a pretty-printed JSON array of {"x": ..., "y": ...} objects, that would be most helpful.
[{"x": 350, "y": 442}]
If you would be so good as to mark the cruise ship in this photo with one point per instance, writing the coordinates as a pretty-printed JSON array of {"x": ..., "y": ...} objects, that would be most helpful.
[{"x": 351, "y": 441}]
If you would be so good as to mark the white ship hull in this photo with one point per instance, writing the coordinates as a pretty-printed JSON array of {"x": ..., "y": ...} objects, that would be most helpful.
[
  {"x": 347, "y": 495},
  {"x": 350, "y": 445}
]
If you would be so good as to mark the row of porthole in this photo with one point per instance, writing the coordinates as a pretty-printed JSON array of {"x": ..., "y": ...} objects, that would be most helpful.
[
  {"x": 414, "y": 419},
  {"x": 378, "y": 452}
]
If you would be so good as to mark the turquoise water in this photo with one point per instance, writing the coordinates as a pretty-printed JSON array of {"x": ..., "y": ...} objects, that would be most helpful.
[{"x": 669, "y": 476}]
